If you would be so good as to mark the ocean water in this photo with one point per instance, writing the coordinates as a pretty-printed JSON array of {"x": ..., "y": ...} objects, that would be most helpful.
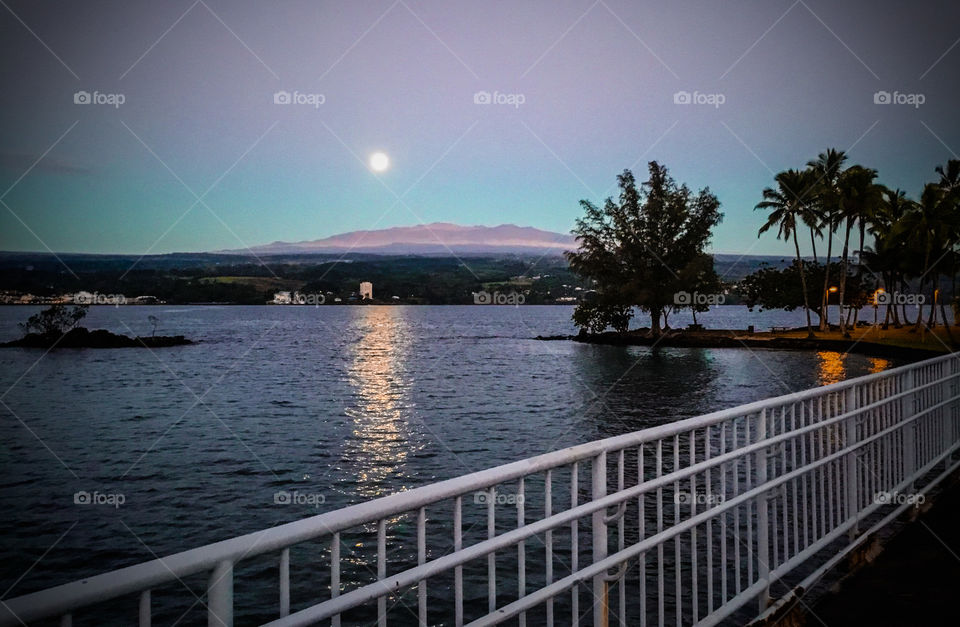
[{"x": 339, "y": 404}]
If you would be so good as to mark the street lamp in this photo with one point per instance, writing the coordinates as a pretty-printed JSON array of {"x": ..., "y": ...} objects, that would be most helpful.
[{"x": 826, "y": 305}]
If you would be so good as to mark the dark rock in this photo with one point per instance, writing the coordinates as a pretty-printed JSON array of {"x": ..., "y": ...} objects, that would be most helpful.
[{"x": 98, "y": 338}]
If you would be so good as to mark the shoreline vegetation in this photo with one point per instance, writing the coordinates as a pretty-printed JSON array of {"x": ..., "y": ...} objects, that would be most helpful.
[
  {"x": 892, "y": 343},
  {"x": 58, "y": 327}
]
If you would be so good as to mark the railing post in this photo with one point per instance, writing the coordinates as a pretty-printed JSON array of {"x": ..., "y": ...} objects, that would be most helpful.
[
  {"x": 220, "y": 596},
  {"x": 145, "y": 614},
  {"x": 850, "y": 461},
  {"x": 909, "y": 430},
  {"x": 763, "y": 516},
  {"x": 599, "y": 532}
]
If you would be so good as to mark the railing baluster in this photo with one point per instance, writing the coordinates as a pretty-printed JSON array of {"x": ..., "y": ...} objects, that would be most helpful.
[
  {"x": 622, "y": 596},
  {"x": 458, "y": 571},
  {"x": 548, "y": 539},
  {"x": 724, "y": 471},
  {"x": 574, "y": 543},
  {"x": 220, "y": 596},
  {"x": 335, "y": 574},
  {"x": 748, "y": 484},
  {"x": 421, "y": 560},
  {"x": 850, "y": 472},
  {"x": 285, "y": 582},
  {"x": 492, "y": 557},
  {"x": 694, "y": 572},
  {"x": 146, "y": 615},
  {"x": 641, "y": 534},
  {"x": 521, "y": 552},
  {"x": 660, "y": 605},
  {"x": 708, "y": 446},
  {"x": 763, "y": 523},
  {"x": 599, "y": 535},
  {"x": 382, "y": 570}
]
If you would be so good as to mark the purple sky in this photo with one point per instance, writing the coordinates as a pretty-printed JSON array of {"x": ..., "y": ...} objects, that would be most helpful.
[{"x": 596, "y": 79}]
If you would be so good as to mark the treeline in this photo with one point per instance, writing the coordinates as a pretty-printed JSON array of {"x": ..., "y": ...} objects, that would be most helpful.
[
  {"x": 421, "y": 280},
  {"x": 914, "y": 242}
]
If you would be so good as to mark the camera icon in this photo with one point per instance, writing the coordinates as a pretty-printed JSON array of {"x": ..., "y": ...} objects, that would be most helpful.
[
  {"x": 282, "y": 97},
  {"x": 81, "y": 97},
  {"x": 82, "y": 498},
  {"x": 482, "y": 98},
  {"x": 682, "y": 97},
  {"x": 282, "y": 498},
  {"x": 682, "y": 498},
  {"x": 480, "y": 498},
  {"x": 884, "y": 298},
  {"x": 682, "y": 298},
  {"x": 882, "y": 97},
  {"x": 482, "y": 297}
]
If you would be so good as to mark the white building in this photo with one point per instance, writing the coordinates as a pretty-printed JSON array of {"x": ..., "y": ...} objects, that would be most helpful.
[
  {"x": 282, "y": 298},
  {"x": 366, "y": 290}
]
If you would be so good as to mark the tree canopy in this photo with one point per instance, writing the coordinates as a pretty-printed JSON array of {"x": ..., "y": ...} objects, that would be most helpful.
[{"x": 643, "y": 249}]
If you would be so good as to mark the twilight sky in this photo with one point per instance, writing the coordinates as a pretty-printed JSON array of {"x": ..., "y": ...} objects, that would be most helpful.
[{"x": 199, "y": 156}]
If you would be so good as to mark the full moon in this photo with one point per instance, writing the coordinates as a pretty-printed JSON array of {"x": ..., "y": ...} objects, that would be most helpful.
[{"x": 379, "y": 162}]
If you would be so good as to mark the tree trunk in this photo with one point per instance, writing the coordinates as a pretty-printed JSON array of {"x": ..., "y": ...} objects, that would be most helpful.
[
  {"x": 843, "y": 275},
  {"x": 655, "y": 322},
  {"x": 803, "y": 283},
  {"x": 813, "y": 245},
  {"x": 825, "y": 303}
]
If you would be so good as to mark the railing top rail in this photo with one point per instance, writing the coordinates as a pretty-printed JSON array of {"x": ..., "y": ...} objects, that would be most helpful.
[{"x": 67, "y": 597}]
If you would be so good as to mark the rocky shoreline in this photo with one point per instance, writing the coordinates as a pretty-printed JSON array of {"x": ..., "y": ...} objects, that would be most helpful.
[
  {"x": 99, "y": 338},
  {"x": 740, "y": 339}
]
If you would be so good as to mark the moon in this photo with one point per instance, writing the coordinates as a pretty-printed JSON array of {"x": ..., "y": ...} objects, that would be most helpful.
[{"x": 379, "y": 161}]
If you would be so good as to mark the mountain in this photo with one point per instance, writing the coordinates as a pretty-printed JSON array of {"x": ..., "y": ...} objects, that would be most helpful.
[{"x": 427, "y": 239}]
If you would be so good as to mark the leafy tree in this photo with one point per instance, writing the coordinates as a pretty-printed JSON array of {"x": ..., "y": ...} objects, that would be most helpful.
[
  {"x": 772, "y": 288},
  {"x": 640, "y": 249},
  {"x": 54, "y": 321},
  {"x": 595, "y": 317}
]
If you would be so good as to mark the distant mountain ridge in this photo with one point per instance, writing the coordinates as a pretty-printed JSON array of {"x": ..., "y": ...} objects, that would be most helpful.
[{"x": 434, "y": 238}]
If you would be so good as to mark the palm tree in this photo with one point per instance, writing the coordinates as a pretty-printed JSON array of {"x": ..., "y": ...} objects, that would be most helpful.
[
  {"x": 791, "y": 204},
  {"x": 858, "y": 196},
  {"x": 888, "y": 256},
  {"x": 827, "y": 169},
  {"x": 926, "y": 229}
]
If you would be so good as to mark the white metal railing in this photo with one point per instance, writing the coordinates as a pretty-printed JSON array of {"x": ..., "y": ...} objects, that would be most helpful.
[{"x": 685, "y": 523}]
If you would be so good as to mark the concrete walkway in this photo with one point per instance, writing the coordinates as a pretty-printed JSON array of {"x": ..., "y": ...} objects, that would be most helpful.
[{"x": 915, "y": 581}]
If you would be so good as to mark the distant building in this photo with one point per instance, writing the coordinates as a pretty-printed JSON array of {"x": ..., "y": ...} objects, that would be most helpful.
[
  {"x": 282, "y": 298},
  {"x": 366, "y": 290}
]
